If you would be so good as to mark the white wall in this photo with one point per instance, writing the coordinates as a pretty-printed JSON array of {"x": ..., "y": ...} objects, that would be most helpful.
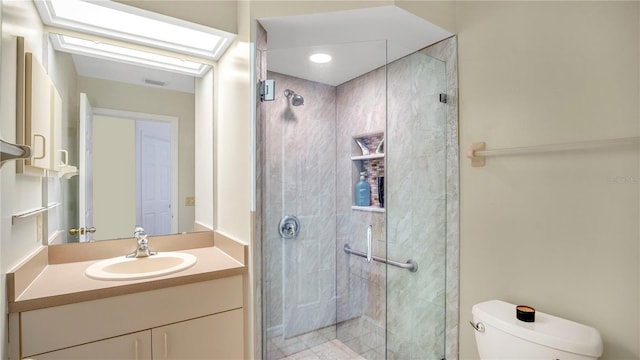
[
  {"x": 557, "y": 231},
  {"x": 19, "y": 193},
  {"x": 232, "y": 173},
  {"x": 204, "y": 155}
]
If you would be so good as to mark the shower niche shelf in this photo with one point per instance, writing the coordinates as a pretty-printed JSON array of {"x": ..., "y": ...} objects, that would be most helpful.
[
  {"x": 368, "y": 157},
  {"x": 368, "y": 208},
  {"x": 371, "y": 162}
]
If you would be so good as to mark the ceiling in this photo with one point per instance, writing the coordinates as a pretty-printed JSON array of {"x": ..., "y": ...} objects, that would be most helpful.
[
  {"x": 132, "y": 74},
  {"x": 354, "y": 38}
]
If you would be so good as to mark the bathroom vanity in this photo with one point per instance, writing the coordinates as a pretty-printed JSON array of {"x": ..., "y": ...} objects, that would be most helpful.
[{"x": 57, "y": 312}]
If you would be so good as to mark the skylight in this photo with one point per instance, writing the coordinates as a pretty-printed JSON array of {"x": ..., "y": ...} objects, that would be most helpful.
[
  {"x": 127, "y": 55},
  {"x": 127, "y": 23}
]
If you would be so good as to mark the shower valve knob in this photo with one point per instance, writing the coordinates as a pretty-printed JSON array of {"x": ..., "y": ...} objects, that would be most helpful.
[{"x": 289, "y": 227}]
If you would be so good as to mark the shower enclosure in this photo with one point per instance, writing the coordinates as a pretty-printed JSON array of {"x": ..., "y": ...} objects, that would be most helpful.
[{"x": 340, "y": 280}]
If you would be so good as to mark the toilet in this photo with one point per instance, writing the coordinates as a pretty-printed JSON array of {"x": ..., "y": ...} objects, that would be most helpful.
[{"x": 500, "y": 335}]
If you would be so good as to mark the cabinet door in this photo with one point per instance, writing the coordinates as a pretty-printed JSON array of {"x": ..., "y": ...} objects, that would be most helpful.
[
  {"x": 37, "y": 113},
  {"x": 218, "y": 336},
  {"x": 136, "y": 346}
]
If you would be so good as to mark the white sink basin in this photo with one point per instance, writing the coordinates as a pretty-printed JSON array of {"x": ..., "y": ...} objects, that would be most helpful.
[{"x": 123, "y": 268}]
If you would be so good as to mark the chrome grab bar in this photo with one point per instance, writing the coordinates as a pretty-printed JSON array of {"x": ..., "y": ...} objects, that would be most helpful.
[
  {"x": 410, "y": 265},
  {"x": 369, "y": 243}
]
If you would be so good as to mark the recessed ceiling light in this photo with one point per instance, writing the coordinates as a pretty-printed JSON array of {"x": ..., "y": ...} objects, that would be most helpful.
[
  {"x": 122, "y": 22},
  {"x": 320, "y": 58}
]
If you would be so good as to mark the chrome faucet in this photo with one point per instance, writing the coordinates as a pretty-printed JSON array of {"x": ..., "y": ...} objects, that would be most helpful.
[{"x": 143, "y": 244}]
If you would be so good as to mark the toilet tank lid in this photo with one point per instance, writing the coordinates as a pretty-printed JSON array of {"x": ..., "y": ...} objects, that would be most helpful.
[{"x": 547, "y": 330}]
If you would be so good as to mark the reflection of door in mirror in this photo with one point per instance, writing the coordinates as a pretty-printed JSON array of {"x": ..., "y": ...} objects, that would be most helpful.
[
  {"x": 153, "y": 177},
  {"x": 85, "y": 176},
  {"x": 134, "y": 173}
]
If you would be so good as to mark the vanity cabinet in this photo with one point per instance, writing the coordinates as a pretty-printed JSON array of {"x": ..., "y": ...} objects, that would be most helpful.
[
  {"x": 202, "y": 320},
  {"x": 216, "y": 336},
  {"x": 131, "y": 346}
]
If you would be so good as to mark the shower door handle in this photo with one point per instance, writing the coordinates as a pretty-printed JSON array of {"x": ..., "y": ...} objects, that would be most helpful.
[{"x": 369, "y": 230}]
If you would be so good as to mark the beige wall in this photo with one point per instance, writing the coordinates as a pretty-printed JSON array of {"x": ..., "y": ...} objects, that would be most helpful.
[
  {"x": 219, "y": 14},
  {"x": 114, "y": 180},
  {"x": 441, "y": 13},
  {"x": 557, "y": 231},
  {"x": 262, "y": 9},
  {"x": 144, "y": 99}
]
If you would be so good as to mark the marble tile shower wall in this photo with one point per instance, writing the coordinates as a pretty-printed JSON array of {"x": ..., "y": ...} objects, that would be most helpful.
[
  {"x": 360, "y": 109},
  {"x": 416, "y": 210},
  {"x": 299, "y": 148}
]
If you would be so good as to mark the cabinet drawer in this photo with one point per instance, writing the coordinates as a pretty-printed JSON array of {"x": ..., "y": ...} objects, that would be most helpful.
[{"x": 54, "y": 328}]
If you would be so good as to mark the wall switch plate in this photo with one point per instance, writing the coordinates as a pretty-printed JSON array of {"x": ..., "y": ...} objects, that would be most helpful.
[{"x": 190, "y": 201}]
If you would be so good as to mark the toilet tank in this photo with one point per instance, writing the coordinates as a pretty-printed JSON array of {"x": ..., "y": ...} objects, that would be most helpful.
[{"x": 500, "y": 335}]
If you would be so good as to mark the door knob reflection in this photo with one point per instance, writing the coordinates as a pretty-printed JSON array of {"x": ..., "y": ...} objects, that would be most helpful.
[{"x": 82, "y": 231}]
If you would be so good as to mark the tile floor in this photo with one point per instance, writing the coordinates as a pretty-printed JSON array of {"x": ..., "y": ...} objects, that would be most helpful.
[
  {"x": 354, "y": 337},
  {"x": 331, "y": 350},
  {"x": 280, "y": 348}
]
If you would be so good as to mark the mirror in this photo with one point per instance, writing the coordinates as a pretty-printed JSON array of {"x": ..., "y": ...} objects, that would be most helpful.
[{"x": 142, "y": 150}]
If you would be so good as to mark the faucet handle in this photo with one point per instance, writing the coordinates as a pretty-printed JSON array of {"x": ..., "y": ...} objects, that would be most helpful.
[
  {"x": 143, "y": 244},
  {"x": 139, "y": 231}
]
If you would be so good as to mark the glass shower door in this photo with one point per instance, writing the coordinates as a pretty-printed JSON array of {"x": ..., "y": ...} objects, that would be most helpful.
[{"x": 416, "y": 207}]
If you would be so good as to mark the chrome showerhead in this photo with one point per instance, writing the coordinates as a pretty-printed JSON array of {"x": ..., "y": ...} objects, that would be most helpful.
[{"x": 296, "y": 100}]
